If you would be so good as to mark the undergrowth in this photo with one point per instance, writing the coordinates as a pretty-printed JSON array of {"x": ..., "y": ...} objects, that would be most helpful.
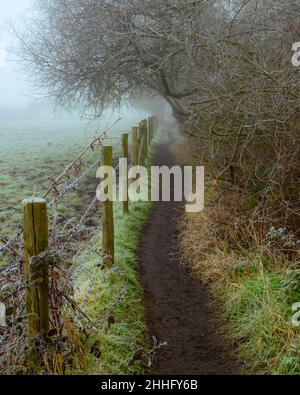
[
  {"x": 253, "y": 278},
  {"x": 254, "y": 297}
]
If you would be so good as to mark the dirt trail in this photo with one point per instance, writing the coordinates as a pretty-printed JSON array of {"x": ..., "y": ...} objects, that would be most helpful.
[{"x": 177, "y": 304}]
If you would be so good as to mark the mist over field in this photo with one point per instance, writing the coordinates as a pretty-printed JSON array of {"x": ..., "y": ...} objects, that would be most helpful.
[
  {"x": 22, "y": 105},
  {"x": 38, "y": 138},
  {"x": 99, "y": 273}
]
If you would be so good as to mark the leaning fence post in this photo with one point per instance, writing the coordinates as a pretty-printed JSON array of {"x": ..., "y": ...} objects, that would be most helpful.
[
  {"x": 125, "y": 181},
  {"x": 108, "y": 242},
  {"x": 35, "y": 236},
  {"x": 134, "y": 147}
]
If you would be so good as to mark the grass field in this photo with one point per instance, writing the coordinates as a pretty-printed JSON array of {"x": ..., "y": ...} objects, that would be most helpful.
[{"x": 30, "y": 153}]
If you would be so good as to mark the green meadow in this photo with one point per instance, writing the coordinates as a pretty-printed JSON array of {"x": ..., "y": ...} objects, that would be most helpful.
[{"x": 29, "y": 156}]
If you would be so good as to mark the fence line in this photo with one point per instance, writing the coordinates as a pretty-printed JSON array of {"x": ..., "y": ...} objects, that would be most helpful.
[
  {"x": 73, "y": 185},
  {"x": 98, "y": 138},
  {"x": 54, "y": 183},
  {"x": 33, "y": 277}
]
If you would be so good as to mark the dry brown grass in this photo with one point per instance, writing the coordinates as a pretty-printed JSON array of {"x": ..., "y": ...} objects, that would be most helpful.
[
  {"x": 202, "y": 248},
  {"x": 246, "y": 266},
  {"x": 248, "y": 293}
]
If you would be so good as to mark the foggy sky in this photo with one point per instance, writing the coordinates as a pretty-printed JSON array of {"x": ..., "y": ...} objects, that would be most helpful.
[{"x": 14, "y": 89}]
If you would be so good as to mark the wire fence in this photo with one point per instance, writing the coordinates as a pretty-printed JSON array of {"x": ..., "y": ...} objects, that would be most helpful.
[{"x": 68, "y": 237}]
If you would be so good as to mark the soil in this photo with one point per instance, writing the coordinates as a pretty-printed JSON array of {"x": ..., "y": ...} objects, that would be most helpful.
[{"x": 177, "y": 305}]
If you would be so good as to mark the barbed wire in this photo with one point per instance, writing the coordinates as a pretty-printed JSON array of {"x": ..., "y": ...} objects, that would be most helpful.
[
  {"x": 7, "y": 243},
  {"x": 68, "y": 188},
  {"x": 73, "y": 185},
  {"x": 63, "y": 279},
  {"x": 98, "y": 138}
]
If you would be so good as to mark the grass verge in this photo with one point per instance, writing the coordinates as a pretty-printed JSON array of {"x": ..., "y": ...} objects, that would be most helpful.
[
  {"x": 253, "y": 295},
  {"x": 253, "y": 284},
  {"x": 112, "y": 298}
]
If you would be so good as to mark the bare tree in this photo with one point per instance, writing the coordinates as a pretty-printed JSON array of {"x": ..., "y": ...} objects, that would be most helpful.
[
  {"x": 223, "y": 66},
  {"x": 104, "y": 51}
]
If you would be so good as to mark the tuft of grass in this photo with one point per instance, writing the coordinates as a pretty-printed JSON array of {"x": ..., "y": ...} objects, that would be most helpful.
[{"x": 260, "y": 319}]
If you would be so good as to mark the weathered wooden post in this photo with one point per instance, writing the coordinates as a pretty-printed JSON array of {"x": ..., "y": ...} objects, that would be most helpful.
[
  {"x": 125, "y": 181},
  {"x": 143, "y": 149},
  {"x": 141, "y": 152},
  {"x": 36, "y": 268},
  {"x": 134, "y": 147},
  {"x": 140, "y": 132},
  {"x": 145, "y": 134},
  {"x": 150, "y": 129},
  {"x": 108, "y": 238}
]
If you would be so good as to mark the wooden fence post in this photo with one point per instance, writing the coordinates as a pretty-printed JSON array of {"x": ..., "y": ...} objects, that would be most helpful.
[
  {"x": 150, "y": 129},
  {"x": 143, "y": 149},
  {"x": 140, "y": 132},
  {"x": 35, "y": 269},
  {"x": 108, "y": 239},
  {"x": 134, "y": 147},
  {"x": 141, "y": 152},
  {"x": 125, "y": 155}
]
